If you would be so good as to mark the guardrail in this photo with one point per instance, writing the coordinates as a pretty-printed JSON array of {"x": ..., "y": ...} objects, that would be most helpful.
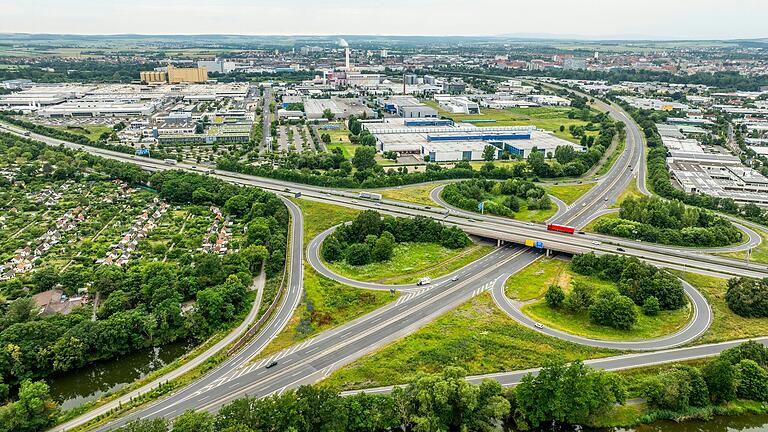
[{"x": 268, "y": 313}]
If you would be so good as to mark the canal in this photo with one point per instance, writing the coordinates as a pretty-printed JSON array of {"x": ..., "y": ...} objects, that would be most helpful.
[{"x": 77, "y": 387}]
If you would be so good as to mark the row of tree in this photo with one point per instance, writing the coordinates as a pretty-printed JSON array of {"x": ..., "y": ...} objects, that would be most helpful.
[
  {"x": 371, "y": 238},
  {"x": 656, "y": 220}
]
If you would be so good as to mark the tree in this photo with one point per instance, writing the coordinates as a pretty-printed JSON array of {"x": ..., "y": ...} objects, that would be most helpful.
[
  {"x": 720, "y": 377},
  {"x": 753, "y": 381},
  {"x": 489, "y": 153},
  {"x": 748, "y": 297},
  {"x": 383, "y": 248},
  {"x": 613, "y": 310},
  {"x": 651, "y": 306},
  {"x": 20, "y": 310},
  {"x": 331, "y": 249},
  {"x": 34, "y": 409},
  {"x": 447, "y": 402},
  {"x": 45, "y": 279},
  {"x": 358, "y": 254},
  {"x": 194, "y": 421},
  {"x": 554, "y": 296},
  {"x": 567, "y": 394},
  {"x": 328, "y": 114},
  {"x": 364, "y": 158},
  {"x": 670, "y": 390},
  {"x": 237, "y": 205}
]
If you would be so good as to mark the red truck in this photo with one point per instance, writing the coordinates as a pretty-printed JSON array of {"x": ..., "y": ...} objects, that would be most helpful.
[{"x": 561, "y": 228}]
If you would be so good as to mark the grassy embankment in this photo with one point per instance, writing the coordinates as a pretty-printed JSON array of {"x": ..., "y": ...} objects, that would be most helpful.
[
  {"x": 531, "y": 283},
  {"x": 569, "y": 193},
  {"x": 476, "y": 336}
]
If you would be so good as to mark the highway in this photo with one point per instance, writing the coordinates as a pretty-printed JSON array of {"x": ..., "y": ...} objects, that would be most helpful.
[{"x": 315, "y": 358}]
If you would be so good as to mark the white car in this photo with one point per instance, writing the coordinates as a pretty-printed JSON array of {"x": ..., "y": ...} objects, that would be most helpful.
[
  {"x": 539, "y": 325},
  {"x": 595, "y": 242},
  {"x": 455, "y": 278}
]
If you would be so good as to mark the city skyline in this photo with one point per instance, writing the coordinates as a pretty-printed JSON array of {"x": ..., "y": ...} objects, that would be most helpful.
[{"x": 591, "y": 19}]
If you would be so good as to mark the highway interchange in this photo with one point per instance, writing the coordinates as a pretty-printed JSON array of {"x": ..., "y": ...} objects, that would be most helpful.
[{"x": 314, "y": 359}]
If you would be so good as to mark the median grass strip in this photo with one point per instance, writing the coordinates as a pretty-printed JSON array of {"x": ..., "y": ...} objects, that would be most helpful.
[
  {"x": 418, "y": 194},
  {"x": 611, "y": 160},
  {"x": 412, "y": 261},
  {"x": 569, "y": 193},
  {"x": 726, "y": 325},
  {"x": 532, "y": 282},
  {"x": 476, "y": 336}
]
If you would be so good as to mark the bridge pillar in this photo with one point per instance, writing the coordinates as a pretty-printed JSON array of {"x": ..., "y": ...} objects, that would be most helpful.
[
  {"x": 499, "y": 242},
  {"x": 548, "y": 252}
]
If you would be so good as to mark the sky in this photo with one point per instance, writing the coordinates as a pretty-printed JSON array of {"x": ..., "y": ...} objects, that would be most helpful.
[{"x": 592, "y": 19}]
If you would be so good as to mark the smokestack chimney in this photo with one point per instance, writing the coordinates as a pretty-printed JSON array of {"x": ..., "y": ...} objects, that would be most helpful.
[{"x": 347, "y": 50}]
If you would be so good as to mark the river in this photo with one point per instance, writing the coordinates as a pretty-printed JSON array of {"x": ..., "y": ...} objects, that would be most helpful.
[{"x": 77, "y": 387}]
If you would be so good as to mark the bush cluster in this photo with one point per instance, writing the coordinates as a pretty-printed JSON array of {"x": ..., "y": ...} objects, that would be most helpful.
[
  {"x": 371, "y": 238},
  {"x": 656, "y": 220}
]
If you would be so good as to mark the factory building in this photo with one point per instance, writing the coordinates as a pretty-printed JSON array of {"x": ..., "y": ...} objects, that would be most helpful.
[
  {"x": 98, "y": 109},
  {"x": 151, "y": 77},
  {"x": 411, "y": 79},
  {"x": 187, "y": 75},
  {"x": 443, "y": 141},
  {"x": 407, "y": 107}
]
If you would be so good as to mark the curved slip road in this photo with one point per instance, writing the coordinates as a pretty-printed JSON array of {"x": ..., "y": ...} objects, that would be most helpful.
[
  {"x": 699, "y": 323},
  {"x": 313, "y": 257},
  {"x": 615, "y": 363}
]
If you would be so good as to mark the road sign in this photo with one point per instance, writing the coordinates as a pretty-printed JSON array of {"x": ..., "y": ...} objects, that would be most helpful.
[
  {"x": 481, "y": 205},
  {"x": 530, "y": 243},
  {"x": 539, "y": 244}
]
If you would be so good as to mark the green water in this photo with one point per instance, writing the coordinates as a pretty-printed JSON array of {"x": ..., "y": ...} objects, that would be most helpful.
[
  {"x": 88, "y": 383},
  {"x": 747, "y": 423}
]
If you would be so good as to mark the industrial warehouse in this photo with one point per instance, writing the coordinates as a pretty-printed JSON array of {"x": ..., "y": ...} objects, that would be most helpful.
[{"x": 442, "y": 140}]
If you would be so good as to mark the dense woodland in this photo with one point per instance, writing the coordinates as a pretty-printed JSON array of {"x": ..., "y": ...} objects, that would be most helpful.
[
  {"x": 141, "y": 304},
  {"x": 371, "y": 238},
  {"x": 656, "y": 220}
]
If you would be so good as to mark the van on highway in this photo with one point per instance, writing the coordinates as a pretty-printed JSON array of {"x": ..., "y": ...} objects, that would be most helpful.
[{"x": 424, "y": 281}]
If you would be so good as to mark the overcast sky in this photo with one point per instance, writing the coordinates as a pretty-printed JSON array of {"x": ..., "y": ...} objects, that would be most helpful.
[{"x": 658, "y": 19}]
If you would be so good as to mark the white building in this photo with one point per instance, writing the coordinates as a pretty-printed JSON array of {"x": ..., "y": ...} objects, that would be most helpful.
[{"x": 458, "y": 104}]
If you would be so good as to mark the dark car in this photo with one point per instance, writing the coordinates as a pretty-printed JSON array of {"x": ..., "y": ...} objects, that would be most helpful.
[
  {"x": 271, "y": 364},
  {"x": 620, "y": 250}
]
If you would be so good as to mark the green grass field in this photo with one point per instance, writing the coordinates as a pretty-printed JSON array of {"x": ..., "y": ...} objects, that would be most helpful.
[
  {"x": 326, "y": 303},
  {"x": 528, "y": 215},
  {"x": 340, "y": 139},
  {"x": 532, "y": 282},
  {"x": 726, "y": 325},
  {"x": 318, "y": 217},
  {"x": 91, "y": 132},
  {"x": 569, "y": 193},
  {"x": 611, "y": 160},
  {"x": 476, "y": 336},
  {"x": 418, "y": 194},
  {"x": 412, "y": 261}
]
